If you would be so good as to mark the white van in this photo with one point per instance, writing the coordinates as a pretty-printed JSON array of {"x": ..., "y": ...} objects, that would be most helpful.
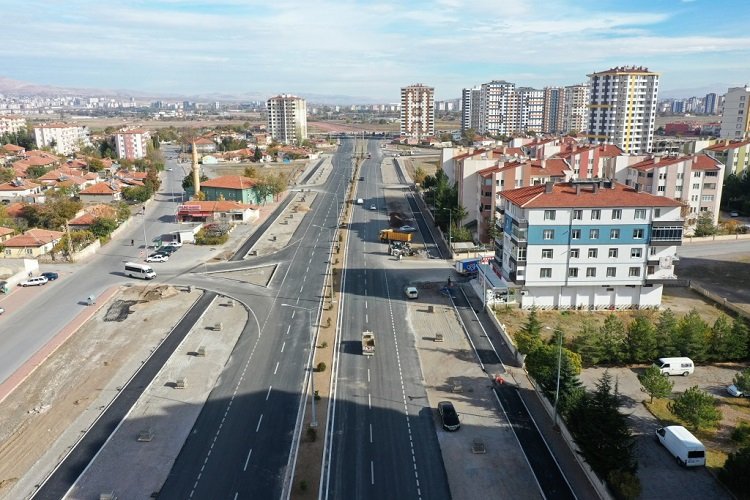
[
  {"x": 141, "y": 271},
  {"x": 675, "y": 366},
  {"x": 687, "y": 450},
  {"x": 360, "y": 201}
]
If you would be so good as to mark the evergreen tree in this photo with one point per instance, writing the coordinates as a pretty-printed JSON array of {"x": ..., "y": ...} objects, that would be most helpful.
[
  {"x": 692, "y": 333},
  {"x": 641, "y": 340},
  {"x": 528, "y": 337},
  {"x": 655, "y": 384},
  {"x": 588, "y": 343},
  {"x": 697, "y": 408},
  {"x": 542, "y": 366},
  {"x": 737, "y": 342},
  {"x": 742, "y": 380},
  {"x": 258, "y": 154},
  {"x": 718, "y": 339},
  {"x": 666, "y": 334},
  {"x": 735, "y": 472},
  {"x": 613, "y": 339}
]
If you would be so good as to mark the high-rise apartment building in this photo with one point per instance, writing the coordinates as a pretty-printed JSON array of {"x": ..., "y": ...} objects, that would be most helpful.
[
  {"x": 735, "y": 121},
  {"x": 710, "y": 104},
  {"x": 576, "y": 109},
  {"x": 498, "y": 103},
  {"x": 287, "y": 118},
  {"x": 622, "y": 108},
  {"x": 554, "y": 107},
  {"x": 417, "y": 111},
  {"x": 530, "y": 109},
  {"x": 471, "y": 110},
  {"x": 64, "y": 139},
  {"x": 132, "y": 144}
]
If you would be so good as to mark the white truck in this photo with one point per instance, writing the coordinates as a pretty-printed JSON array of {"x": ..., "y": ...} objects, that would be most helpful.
[
  {"x": 368, "y": 343},
  {"x": 687, "y": 450}
]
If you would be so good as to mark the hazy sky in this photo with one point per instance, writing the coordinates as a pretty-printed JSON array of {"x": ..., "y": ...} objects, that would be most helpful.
[{"x": 368, "y": 48}]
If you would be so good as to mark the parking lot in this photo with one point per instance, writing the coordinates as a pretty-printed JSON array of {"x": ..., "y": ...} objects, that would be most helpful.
[{"x": 660, "y": 476}]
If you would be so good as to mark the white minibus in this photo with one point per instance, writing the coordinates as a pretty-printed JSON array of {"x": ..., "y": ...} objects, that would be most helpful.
[{"x": 141, "y": 271}]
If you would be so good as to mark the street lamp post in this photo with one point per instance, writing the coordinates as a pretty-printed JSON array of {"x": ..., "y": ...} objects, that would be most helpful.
[{"x": 314, "y": 420}]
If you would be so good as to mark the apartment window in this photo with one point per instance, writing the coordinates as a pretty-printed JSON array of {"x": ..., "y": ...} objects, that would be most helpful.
[
  {"x": 594, "y": 234},
  {"x": 657, "y": 212},
  {"x": 596, "y": 214},
  {"x": 634, "y": 272},
  {"x": 573, "y": 272},
  {"x": 614, "y": 234},
  {"x": 545, "y": 272},
  {"x": 577, "y": 214},
  {"x": 661, "y": 189},
  {"x": 549, "y": 215},
  {"x": 611, "y": 272},
  {"x": 575, "y": 234},
  {"x": 638, "y": 234},
  {"x": 612, "y": 253},
  {"x": 707, "y": 197},
  {"x": 574, "y": 253},
  {"x": 591, "y": 272},
  {"x": 635, "y": 253},
  {"x": 548, "y": 234},
  {"x": 546, "y": 253},
  {"x": 616, "y": 214},
  {"x": 696, "y": 185},
  {"x": 593, "y": 253},
  {"x": 640, "y": 214}
]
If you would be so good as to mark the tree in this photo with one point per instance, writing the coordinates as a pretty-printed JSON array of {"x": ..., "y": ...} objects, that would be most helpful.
[
  {"x": 262, "y": 190},
  {"x": 251, "y": 172},
  {"x": 95, "y": 165},
  {"x": 692, "y": 334},
  {"x": 529, "y": 337},
  {"x": 602, "y": 433},
  {"x": 742, "y": 380},
  {"x": 705, "y": 224},
  {"x": 588, "y": 343},
  {"x": 666, "y": 334},
  {"x": 137, "y": 193},
  {"x": 613, "y": 339},
  {"x": 419, "y": 175},
  {"x": 257, "y": 154},
  {"x": 641, "y": 340},
  {"x": 697, "y": 408},
  {"x": 655, "y": 384},
  {"x": 737, "y": 342},
  {"x": 187, "y": 182},
  {"x": 735, "y": 472},
  {"x": 103, "y": 226},
  {"x": 542, "y": 365},
  {"x": 36, "y": 171}
]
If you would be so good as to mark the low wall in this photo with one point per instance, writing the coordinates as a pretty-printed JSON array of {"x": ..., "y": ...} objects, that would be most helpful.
[
  {"x": 716, "y": 237},
  {"x": 719, "y": 300}
]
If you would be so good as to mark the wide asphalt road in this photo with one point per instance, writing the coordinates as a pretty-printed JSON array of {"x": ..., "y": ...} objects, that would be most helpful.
[
  {"x": 380, "y": 440},
  {"x": 244, "y": 441}
]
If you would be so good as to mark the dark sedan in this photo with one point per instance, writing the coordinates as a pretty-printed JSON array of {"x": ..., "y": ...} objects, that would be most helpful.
[
  {"x": 448, "y": 416},
  {"x": 50, "y": 276}
]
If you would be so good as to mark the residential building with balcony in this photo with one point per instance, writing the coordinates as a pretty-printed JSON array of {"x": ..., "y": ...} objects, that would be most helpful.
[
  {"x": 63, "y": 138},
  {"x": 132, "y": 144},
  {"x": 470, "y": 111},
  {"x": 622, "y": 108},
  {"x": 735, "y": 155},
  {"x": 554, "y": 106},
  {"x": 417, "y": 111},
  {"x": 287, "y": 118},
  {"x": 575, "y": 116},
  {"x": 498, "y": 104},
  {"x": 530, "y": 108},
  {"x": 587, "y": 245},
  {"x": 735, "y": 119},
  {"x": 695, "y": 181},
  {"x": 11, "y": 124}
]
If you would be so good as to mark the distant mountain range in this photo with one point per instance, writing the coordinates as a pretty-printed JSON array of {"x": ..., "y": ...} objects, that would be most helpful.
[{"x": 11, "y": 87}]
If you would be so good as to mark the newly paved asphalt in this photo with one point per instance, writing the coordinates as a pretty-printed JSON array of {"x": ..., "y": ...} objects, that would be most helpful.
[{"x": 381, "y": 440}]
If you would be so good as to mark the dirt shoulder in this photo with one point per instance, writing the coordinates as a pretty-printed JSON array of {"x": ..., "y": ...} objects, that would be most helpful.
[{"x": 47, "y": 413}]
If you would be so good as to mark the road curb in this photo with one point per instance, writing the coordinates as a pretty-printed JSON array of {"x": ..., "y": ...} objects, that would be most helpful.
[{"x": 38, "y": 358}]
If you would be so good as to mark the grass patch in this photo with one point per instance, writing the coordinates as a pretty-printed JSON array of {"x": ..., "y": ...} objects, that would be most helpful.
[
  {"x": 715, "y": 458},
  {"x": 660, "y": 410}
]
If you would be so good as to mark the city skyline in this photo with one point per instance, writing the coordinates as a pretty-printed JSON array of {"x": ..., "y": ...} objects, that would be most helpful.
[{"x": 368, "y": 48}]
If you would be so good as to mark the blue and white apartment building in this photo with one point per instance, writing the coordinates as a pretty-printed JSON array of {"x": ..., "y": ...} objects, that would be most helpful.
[{"x": 587, "y": 244}]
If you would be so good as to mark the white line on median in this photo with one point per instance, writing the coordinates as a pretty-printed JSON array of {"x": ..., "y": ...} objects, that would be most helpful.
[
  {"x": 369, "y": 401},
  {"x": 370, "y": 433},
  {"x": 282, "y": 346},
  {"x": 276, "y": 369},
  {"x": 372, "y": 472},
  {"x": 288, "y": 328},
  {"x": 368, "y": 375},
  {"x": 247, "y": 460},
  {"x": 259, "y": 421},
  {"x": 269, "y": 392}
]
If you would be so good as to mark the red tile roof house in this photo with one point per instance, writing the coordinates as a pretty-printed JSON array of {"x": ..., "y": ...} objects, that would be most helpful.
[
  {"x": 33, "y": 243},
  {"x": 19, "y": 190},
  {"x": 5, "y": 233},
  {"x": 216, "y": 211},
  {"x": 101, "y": 192}
]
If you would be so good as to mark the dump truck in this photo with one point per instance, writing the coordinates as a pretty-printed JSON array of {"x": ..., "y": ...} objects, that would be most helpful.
[
  {"x": 393, "y": 235},
  {"x": 368, "y": 343}
]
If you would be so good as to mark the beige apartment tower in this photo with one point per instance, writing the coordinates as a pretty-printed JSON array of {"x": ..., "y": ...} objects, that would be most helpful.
[
  {"x": 735, "y": 120},
  {"x": 287, "y": 118},
  {"x": 622, "y": 108},
  {"x": 417, "y": 111}
]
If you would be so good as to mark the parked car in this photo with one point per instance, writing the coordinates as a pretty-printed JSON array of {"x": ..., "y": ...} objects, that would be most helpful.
[
  {"x": 157, "y": 257},
  {"x": 407, "y": 229},
  {"x": 167, "y": 249},
  {"x": 173, "y": 243},
  {"x": 734, "y": 214},
  {"x": 50, "y": 276},
  {"x": 448, "y": 416},
  {"x": 411, "y": 292},
  {"x": 735, "y": 391},
  {"x": 2, "y": 310},
  {"x": 35, "y": 281},
  {"x": 373, "y": 207}
]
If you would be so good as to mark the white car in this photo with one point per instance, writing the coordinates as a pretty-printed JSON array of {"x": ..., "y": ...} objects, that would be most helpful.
[
  {"x": 157, "y": 257},
  {"x": 734, "y": 391},
  {"x": 373, "y": 207},
  {"x": 2, "y": 310},
  {"x": 734, "y": 214},
  {"x": 35, "y": 281}
]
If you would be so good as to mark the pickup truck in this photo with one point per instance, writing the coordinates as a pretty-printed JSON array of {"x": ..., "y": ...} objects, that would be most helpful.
[{"x": 368, "y": 343}]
